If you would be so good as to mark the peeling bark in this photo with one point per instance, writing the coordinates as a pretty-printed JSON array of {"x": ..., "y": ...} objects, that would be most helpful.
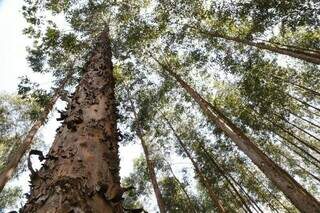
[
  {"x": 81, "y": 173},
  {"x": 299, "y": 197},
  {"x": 16, "y": 155}
]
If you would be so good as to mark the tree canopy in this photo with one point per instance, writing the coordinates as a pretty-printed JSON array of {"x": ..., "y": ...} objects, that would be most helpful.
[{"x": 194, "y": 81}]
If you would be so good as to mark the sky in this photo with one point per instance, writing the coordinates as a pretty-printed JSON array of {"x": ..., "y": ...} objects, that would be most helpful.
[{"x": 13, "y": 65}]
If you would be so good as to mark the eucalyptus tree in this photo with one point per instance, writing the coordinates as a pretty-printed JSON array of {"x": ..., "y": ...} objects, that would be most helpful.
[
  {"x": 83, "y": 161},
  {"x": 150, "y": 162},
  {"x": 24, "y": 146},
  {"x": 16, "y": 115},
  {"x": 82, "y": 167},
  {"x": 274, "y": 172},
  {"x": 250, "y": 23}
]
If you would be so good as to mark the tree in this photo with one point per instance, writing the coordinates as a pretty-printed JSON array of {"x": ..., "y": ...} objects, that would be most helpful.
[
  {"x": 84, "y": 162},
  {"x": 13, "y": 127},
  {"x": 271, "y": 170},
  {"x": 16, "y": 155},
  {"x": 150, "y": 162},
  {"x": 255, "y": 112}
]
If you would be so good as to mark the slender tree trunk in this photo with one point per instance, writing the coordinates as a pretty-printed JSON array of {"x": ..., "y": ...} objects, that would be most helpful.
[
  {"x": 150, "y": 164},
  {"x": 310, "y": 50},
  {"x": 306, "y": 120},
  {"x": 297, "y": 85},
  {"x": 289, "y": 133},
  {"x": 81, "y": 172},
  {"x": 266, "y": 187},
  {"x": 152, "y": 175},
  {"x": 16, "y": 155},
  {"x": 213, "y": 196},
  {"x": 299, "y": 128},
  {"x": 313, "y": 148},
  {"x": 314, "y": 161},
  {"x": 221, "y": 171},
  {"x": 303, "y": 169},
  {"x": 304, "y": 103},
  {"x": 191, "y": 205},
  {"x": 301, "y": 198},
  {"x": 306, "y": 56}
]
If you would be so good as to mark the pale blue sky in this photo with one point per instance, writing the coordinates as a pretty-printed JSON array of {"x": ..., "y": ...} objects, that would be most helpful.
[{"x": 13, "y": 64}]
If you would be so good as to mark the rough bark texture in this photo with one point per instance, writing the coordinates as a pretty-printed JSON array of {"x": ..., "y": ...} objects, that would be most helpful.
[
  {"x": 296, "y": 52},
  {"x": 301, "y": 198},
  {"x": 16, "y": 155},
  {"x": 81, "y": 172},
  {"x": 213, "y": 196}
]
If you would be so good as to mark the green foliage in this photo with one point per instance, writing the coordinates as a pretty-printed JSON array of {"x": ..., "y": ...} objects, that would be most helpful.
[
  {"x": 8, "y": 197},
  {"x": 266, "y": 95}
]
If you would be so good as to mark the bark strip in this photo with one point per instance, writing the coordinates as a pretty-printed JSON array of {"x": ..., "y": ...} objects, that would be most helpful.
[
  {"x": 81, "y": 173},
  {"x": 16, "y": 155}
]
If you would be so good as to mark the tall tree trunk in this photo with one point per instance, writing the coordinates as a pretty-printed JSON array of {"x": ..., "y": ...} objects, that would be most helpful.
[
  {"x": 150, "y": 164},
  {"x": 213, "y": 196},
  {"x": 226, "y": 177},
  {"x": 81, "y": 172},
  {"x": 296, "y": 53},
  {"x": 191, "y": 205},
  {"x": 152, "y": 175},
  {"x": 297, "y": 85},
  {"x": 302, "y": 118},
  {"x": 301, "y": 198},
  {"x": 16, "y": 155}
]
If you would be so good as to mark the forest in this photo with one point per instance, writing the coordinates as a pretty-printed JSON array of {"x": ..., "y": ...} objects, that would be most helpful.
[{"x": 165, "y": 106}]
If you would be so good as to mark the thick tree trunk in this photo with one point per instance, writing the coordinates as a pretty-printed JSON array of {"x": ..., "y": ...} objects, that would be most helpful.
[
  {"x": 16, "y": 155},
  {"x": 81, "y": 172},
  {"x": 213, "y": 196},
  {"x": 296, "y": 53},
  {"x": 150, "y": 164},
  {"x": 302, "y": 199}
]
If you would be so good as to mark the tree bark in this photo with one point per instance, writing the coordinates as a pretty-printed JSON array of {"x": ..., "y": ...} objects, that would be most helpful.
[
  {"x": 81, "y": 172},
  {"x": 302, "y": 199},
  {"x": 306, "y": 56},
  {"x": 16, "y": 155},
  {"x": 152, "y": 176},
  {"x": 213, "y": 196},
  {"x": 150, "y": 164}
]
